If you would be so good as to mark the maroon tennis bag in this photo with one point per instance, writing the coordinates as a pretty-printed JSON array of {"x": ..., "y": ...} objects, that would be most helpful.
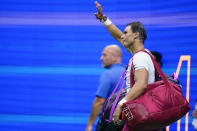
[{"x": 160, "y": 105}]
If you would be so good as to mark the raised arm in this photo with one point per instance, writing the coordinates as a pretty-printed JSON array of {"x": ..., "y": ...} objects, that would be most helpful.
[{"x": 113, "y": 30}]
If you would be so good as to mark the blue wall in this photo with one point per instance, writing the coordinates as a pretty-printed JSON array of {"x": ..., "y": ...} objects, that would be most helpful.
[{"x": 50, "y": 50}]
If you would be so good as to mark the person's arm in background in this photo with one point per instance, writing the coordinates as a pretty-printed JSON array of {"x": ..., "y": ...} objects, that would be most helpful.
[
  {"x": 101, "y": 96},
  {"x": 96, "y": 109}
]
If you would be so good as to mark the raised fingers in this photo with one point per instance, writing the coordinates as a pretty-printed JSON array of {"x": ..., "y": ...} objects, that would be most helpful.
[{"x": 99, "y": 8}]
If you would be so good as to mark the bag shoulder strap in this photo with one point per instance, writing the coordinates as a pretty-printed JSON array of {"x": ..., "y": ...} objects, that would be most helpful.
[
  {"x": 132, "y": 81},
  {"x": 157, "y": 69}
]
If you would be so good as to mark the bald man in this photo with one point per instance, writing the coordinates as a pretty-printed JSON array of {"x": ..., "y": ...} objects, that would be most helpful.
[{"x": 111, "y": 60}]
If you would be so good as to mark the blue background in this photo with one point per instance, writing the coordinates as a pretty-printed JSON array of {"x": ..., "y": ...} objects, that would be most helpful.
[{"x": 50, "y": 56}]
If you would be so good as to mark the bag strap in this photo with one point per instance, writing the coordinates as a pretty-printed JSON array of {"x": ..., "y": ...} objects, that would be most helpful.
[
  {"x": 157, "y": 69},
  {"x": 113, "y": 92},
  {"x": 107, "y": 102},
  {"x": 116, "y": 101},
  {"x": 132, "y": 81}
]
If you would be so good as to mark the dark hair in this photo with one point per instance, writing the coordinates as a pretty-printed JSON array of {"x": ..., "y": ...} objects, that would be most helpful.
[
  {"x": 157, "y": 56},
  {"x": 138, "y": 27}
]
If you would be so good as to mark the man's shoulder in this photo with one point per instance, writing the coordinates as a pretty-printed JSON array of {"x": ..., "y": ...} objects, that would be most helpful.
[
  {"x": 116, "y": 67},
  {"x": 141, "y": 55},
  {"x": 113, "y": 69}
]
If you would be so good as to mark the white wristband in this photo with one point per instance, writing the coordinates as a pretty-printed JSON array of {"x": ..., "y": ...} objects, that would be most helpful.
[
  {"x": 122, "y": 101},
  {"x": 107, "y": 22}
]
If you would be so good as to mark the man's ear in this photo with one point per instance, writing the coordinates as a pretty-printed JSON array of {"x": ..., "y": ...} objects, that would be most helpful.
[
  {"x": 113, "y": 58},
  {"x": 136, "y": 35}
]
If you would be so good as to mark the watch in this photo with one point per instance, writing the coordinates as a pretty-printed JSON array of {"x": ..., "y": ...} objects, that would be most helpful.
[{"x": 102, "y": 20}]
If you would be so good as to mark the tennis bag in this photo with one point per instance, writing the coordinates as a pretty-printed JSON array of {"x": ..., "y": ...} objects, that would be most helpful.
[{"x": 160, "y": 105}]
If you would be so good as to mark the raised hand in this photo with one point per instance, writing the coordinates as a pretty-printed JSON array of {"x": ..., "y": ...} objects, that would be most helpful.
[{"x": 99, "y": 15}]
